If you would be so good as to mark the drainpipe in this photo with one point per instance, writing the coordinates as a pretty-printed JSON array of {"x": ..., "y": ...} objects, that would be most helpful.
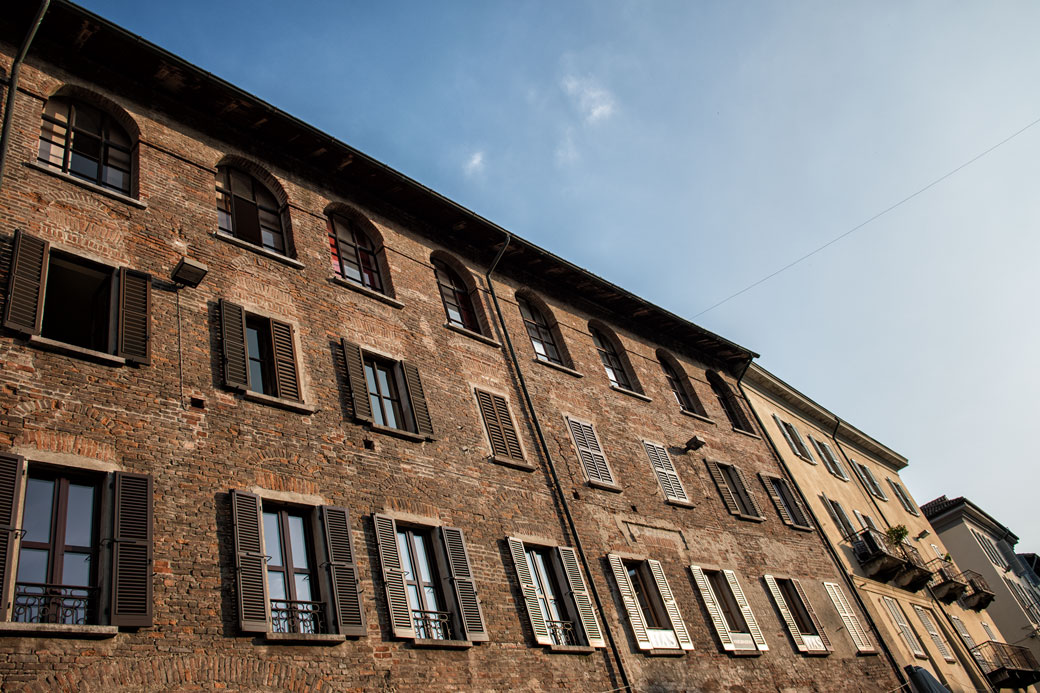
[
  {"x": 827, "y": 542},
  {"x": 552, "y": 466},
  {"x": 12, "y": 83}
]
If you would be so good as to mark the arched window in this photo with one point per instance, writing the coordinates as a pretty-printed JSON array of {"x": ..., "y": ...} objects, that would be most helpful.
[
  {"x": 247, "y": 210},
  {"x": 613, "y": 363},
  {"x": 355, "y": 256},
  {"x": 456, "y": 296},
  {"x": 680, "y": 384},
  {"x": 543, "y": 335},
  {"x": 84, "y": 141},
  {"x": 730, "y": 403}
]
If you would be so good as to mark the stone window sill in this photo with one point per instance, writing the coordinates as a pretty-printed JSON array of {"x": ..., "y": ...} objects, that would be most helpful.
[
  {"x": 509, "y": 462},
  {"x": 678, "y": 503},
  {"x": 699, "y": 417},
  {"x": 72, "y": 350},
  {"x": 397, "y": 432},
  {"x": 562, "y": 369},
  {"x": 100, "y": 189},
  {"x": 665, "y": 652},
  {"x": 58, "y": 630},
  {"x": 613, "y": 488},
  {"x": 291, "y": 405},
  {"x": 442, "y": 644},
  {"x": 749, "y": 434},
  {"x": 304, "y": 638},
  {"x": 473, "y": 335},
  {"x": 750, "y": 518},
  {"x": 364, "y": 290},
  {"x": 630, "y": 393},
  {"x": 259, "y": 250},
  {"x": 745, "y": 653},
  {"x": 570, "y": 649}
]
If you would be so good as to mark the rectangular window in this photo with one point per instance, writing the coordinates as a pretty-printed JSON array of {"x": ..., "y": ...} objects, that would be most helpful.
[
  {"x": 899, "y": 619},
  {"x": 798, "y": 614},
  {"x": 733, "y": 487},
  {"x": 590, "y": 452},
  {"x": 494, "y": 410},
  {"x": 840, "y": 517},
  {"x": 665, "y": 472},
  {"x": 787, "y": 502},
  {"x": 991, "y": 551},
  {"x": 385, "y": 392},
  {"x": 259, "y": 353},
  {"x": 904, "y": 499},
  {"x": 848, "y": 617},
  {"x": 794, "y": 439},
  {"x": 729, "y": 610},
  {"x": 869, "y": 480},
  {"x": 866, "y": 521},
  {"x": 830, "y": 460},
  {"x": 652, "y": 611},
  {"x": 928, "y": 621}
]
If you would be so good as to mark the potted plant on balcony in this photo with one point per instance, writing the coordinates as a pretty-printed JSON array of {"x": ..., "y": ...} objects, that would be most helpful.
[{"x": 896, "y": 535}]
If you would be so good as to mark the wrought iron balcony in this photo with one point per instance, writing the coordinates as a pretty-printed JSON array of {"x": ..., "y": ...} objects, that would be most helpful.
[
  {"x": 432, "y": 625},
  {"x": 878, "y": 559},
  {"x": 915, "y": 573},
  {"x": 978, "y": 595},
  {"x": 298, "y": 617},
  {"x": 947, "y": 582},
  {"x": 562, "y": 632},
  {"x": 36, "y": 602},
  {"x": 1007, "y": 666}
]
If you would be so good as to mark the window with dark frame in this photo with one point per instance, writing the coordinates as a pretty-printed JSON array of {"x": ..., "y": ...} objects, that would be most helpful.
[
  {"x": 740, "y": 493},
  {"x": 259, "y": 354},
  {"x": 430, "y": 618},
  {"x": 383, "y": 393},
  {"x": 551, "y": 604},
  {"x": 729, "y": 401},
  {"x": 733, "y": 489},
  {"x": 612, "y": 365},
  {"x": 794, "y": 602},
  {"x": 649, "y": 602},
  {"x": 247, "y": 210},
  {"x": 781, "y": 490},
  {"x": 292, "y": 586},
  {"x": 354, "y": 256},
  {"x": 77, "y": 303},
  {"x": 730, "y": 612},
  {"x": 455, "y": 295},
  {"x": 730, "y": 609},
  {"x": 798, "y": 614},
  {"x": 840, "y": 517},
  {"x": 86, "y": 142},
  {"x": 540, "y": 333},
  {"x": 678, "y": 382}
]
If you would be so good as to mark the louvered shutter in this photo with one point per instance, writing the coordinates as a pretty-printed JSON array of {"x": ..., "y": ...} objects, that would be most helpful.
[
  {"x": 233, "y": 343},
  {"x": 580, "y": 596},
  {"x": 774, "y": 495},
  {"x": 785, "y": 613},
  {"x": 628, "y": 599},
  {"x": 728, "y": 499},
  {"x": 26, "y": 284},
  {"x": 393, "y": 577},
  {"x": 417, "y": 398},
  {"x": 501, "y": 432},
  {"x": 904, "y": 628},
  {"x": 135, "y": 296},
  {"x": 355, "y": 365},
  {"x": 285, "y": 372},
  {"x": 670, "y": 607},
  {"x": 250, "y": 563},
  {"x": 836, "y": 464},
  {"x": 343, "y": 572},
  {"x": 746, "y": 490},
  {"x": 470, "y": 613},
  {"x": 933, "y": 632},
  {"x": 711, "y": 603},
  {"x": 878, "y": 491},
  {"x": 855, "y": 630},
  {"x": 665, "y": 471},
  {"x": 132, "y": 551},
  {"x": 590, "y": 453},
  {"x": 787, "y": 435},
  {"x": 477, "y": 301},
  {"x": 794, "y": 514},
  {"x": 745, "y": 609},
  {"x": 904, "y": 499},
  {"x": 10, "y": 493},
  {"x": 530, "y": 591},
  {"x": 812, "y": 613}
]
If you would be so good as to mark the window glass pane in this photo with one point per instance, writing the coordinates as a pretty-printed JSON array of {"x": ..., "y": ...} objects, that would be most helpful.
[
  {"x": 39, "y": 499},
  {"x": 422, "y": 558},
  {"x": 273, "y": 539},
  {"x": 377, "y": 411},
  {"x": 76, "y": 569},
  {"x": 413, "y": 597},
  {"x": 272, "y": 240},
  {"x": 303, "y": 588},
  {"x": 115, "y": 178},
  {"x": 406, "y": 556},
  {"x": 32, "y": 565},
  {"x": 117, "y": 136},
  {"x": 253, "y": 342},
  {"x": 432, "y": 602},
  {"x": 88, "y": 119},
  {"x": 83, "y": 166},
  {"x": 391, "y": 415},
  {"x": 241, "y": 184},
  {"x": 275, "y": 585},
  {"x": 79, "y": 519},
  {"x": 298, "y": 541}
]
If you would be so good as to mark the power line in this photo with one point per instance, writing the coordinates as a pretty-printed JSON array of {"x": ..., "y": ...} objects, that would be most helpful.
[{"x": 880, "y": 214}]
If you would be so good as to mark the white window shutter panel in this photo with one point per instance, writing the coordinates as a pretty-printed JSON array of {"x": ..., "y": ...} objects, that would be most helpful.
[
  {"x": 628, "y": 598},
  {"x": 785, "y": 613},
  {"x": 711, "y": 603},
  {"x": 670, "y": 607},
  {"x": 745, "y": 609}
]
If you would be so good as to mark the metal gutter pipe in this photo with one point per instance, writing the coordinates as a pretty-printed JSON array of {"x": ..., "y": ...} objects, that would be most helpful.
[{"x": 12, "y": 83}]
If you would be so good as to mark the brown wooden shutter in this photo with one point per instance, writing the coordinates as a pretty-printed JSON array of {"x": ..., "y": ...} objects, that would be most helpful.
[
  {"x": 628, "y": 599},
  {"x": 590, "y": 452},
  {"x": 246, "y": 220},
  {"x": 745, "y": 609},
  {"x": 671, "y": 608},
  {"x": 501, "y": 432},
  {"x": 580, "y": 596},
  {"x": 10, "y": 494},
  {"x": 233, "y": 343},
  {"x": 132, "y": 551},
  {"x": 746, "y": 490},
  {"x": 250, "y": 563},
  {"x": 26, "y": 284},
  {"x": 785, "y": 613},
  {"x": 774, "y": 495},
  {"x": 417, "y": 398},
  {"x": 711, "y": 603},
  {"x": 135, "y": 297},
  {"x": 362, "y": 405},
  {"x": 665, "y": 471},
  {"x": 285, "y": 372},
  {"x": 477, "y": 301},
  {"x": 393, "y": 577},
  {"x": 470, "y": 613},
  {"x": 728, "y": 499},
  {"x": 848, "y": 616},
  {"x": 343, "y": 572},
  {"x": 529, "y": 591},
  {"x": 812, "y": 613}
]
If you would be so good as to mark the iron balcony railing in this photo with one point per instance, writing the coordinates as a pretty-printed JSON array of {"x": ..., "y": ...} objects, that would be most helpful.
[
  {"x": 947, "y": 582},
  {"x": 37, "y": 602},
  {"x": 288, "y": 616},
  {"x": 562, "y": 632},
  {"x": 978, "y": 595},
  {"x": 998, "y": 655},
  {"x": 915, "y": 574},
  {"x": 876, "y": 556},
  {"x": 432, "y": 625}
]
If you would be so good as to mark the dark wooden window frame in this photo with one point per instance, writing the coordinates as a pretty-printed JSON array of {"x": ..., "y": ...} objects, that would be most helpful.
[
  {"x": 243, "y": 228},
  {"x": 387, "y": 402},
  {"x": 415, "y": 420},
  {"x": 278, "y": 356},
  {"x": 730, "y": 403},
  {"x": 289, "y": 570},
  {"x": 456, "y": 297},
  {"x": 106, "y": 144},
  {"x": 541, "y": 333},
  {"x": 361, "y": 252},
  {"x": 679, "y": 383},
  {"x": 647, "y": 595},
  {"x": 616, "y": 370}
]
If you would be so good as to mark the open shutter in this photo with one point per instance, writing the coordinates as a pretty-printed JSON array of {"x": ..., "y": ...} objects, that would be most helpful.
[
  {"x": 10, "y": 493},
  {"x": 286, "y": 375},
  {"x": 787, "y": 435},
  {"x": 909, "y": 636},
  {"x": 794, "y": 516},
  {"x": 933, "y": 632},
  {"x": 362, "y": 405},
  {"x": 477, "y": 301},
  {"x": 745, "y": 609},
  {"x": 711, "y": 603},
  {"x": 785, "y": 613},
  {"x": 529, "y": 590},
  {"x": 132, "y": 551},
  {"x": 665, "y": 471},
  {"x": 728, "y": 499},
  {"x": 25, "y": 287},
  {"x": 393, "y": 577},
  {"x": 135, "y": 297},
  {"x": 501, "y": 432},
  {"x": 250, "y": 563},
  {"x": 859, "y": 636},
  {"x": 628, "y": 599},
  {"x": 343, "y": 572},
  {"x": 508, "y": 429},
  {"x": 670, "y": 607},
  {"x": 465, "y": 587},
  {"x": 233, "y": 343},
  {"x": 752, "y": 501},
  {"x": 904, "y": 499},
  {"x": 812, "y": 613},
  {"x": 423, "y": 422},
  {"x": 580, "y": 595},
  {"x": 590, "y": 452}
]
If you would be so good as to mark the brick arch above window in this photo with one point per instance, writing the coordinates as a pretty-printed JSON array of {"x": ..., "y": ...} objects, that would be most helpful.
[
  {"x": 252, "y": 206},
  {"x": 460, "y": 295},
  {"x": 358, "y": 251},
  {"x": 543, "y": 329},
  {"x": 614, "y": 358}
]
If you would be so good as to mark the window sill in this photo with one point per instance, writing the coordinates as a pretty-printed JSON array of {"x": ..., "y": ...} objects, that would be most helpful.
[
  {"x": 801, "y": 528},
  {"x": 259, "y": 250},
  {"x": 570, "y": 649},
  {"x": 304, "y": 638},
  {"x": 100, "y": 189},
  {"x": 72, "y": 350},
  {"x": 630, "y": 393},
  {"x": 397, "y": 432},
  {"x": 745, "y": 653},
  {"x": 749, "y": 434},
  {"x": 613, "y": 488},
  {"x": 57, "y": 630},
  {"x": 473, "y": 335},
  {"x": 364, "y": 290},
  {"x": 749, "y": 518},
  {"x": 515, "y": 464},
  {"x": 678, "y": 503},
  {"x": 562, "y": 369},
  {"x": 291, "y": 405},
  {"x": 815, "y": 653},
  {"x": 433, "y": 644},
  {"x": 699, "y": 417},
  {"x": 665, "y": 652}
]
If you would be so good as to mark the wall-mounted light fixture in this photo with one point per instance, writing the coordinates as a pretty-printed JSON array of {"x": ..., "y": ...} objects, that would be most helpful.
[
  {"x": 189, "y": 273},
  {"x": 695, "y": 443},
  {"x": 922, "y": 534}
]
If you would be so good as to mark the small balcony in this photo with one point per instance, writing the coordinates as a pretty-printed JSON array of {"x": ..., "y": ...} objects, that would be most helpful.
[
  {"x": 947, "y": 582},
  {"x": 307, "y": 618},
  {"x": 431, "y": 625},
  {"x": 915, "y": 573},
  {"x": 71, "y": 605},
  {"x": 978, "y": 595},
  {"x": 879, "y": 560},
  {"x": 562, "y": 632},
  {"x": 1007, "y": 666}
]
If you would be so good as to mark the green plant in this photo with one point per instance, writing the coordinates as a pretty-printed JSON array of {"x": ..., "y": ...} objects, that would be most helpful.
[{"x": 896, "y": 535}]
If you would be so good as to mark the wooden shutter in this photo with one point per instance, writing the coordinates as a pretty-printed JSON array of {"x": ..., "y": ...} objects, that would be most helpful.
[
  {"x": 787, "y": 435},
  {"x": 745, "y": 609},
  {"x": 904, "y": 499},
  {"x": 842, "y": 521},
  {"x": 135, "y": 298},
  {"x": 855, "y": 630},
  {"x": 711, "y": 603},
  {"x": 529, "y": 590},
  {"x": 355, "y": 364},
  {"x": 393, "y": 577},
  {"x": 470, "y": 613},
  {"x": 423, "y": 422},
  {"x": 501, "y": 432},
  {"x": 785, "y": 613},
  {"x": 774, "y": 495},
  {"x": 580, "y": 596},
  {"x": 250, "y": 563},
  {"x": 343, "y": 572},
  {"x": 286, "y": 376},
  {"x": 590, "y": 453},
  {"x": 477, "y": 301},
  {"x": 728, "y": 499},
  {"x": 246, "y": 220},
  {"x": 746, "y": 491},
  {"x": 665, "y": 471},
  {"x": 812, "y": 613},
  {"x": 869, "y": 480},
  {"x": 628, "y": 599},
  {"x": 904, "y": 628},
  {"x": 933, "y": 632},
  {"x": 670, "y": 607},
  {"x": 10, "y": 494},
  {"x": 233, "y": 343},
  {"x": 789, "y": 506},
  {"x": 132, "y": 551},
  {"x": 26, "y": 284}
]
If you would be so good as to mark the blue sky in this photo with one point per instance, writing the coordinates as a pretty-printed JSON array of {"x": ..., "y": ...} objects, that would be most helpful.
[{"x": 685, "y": 150}]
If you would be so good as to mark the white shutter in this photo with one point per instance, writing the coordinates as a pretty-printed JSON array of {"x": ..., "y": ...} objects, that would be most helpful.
[
  {"x": 909, "y": 636},
  {"x": 530, "y": 591},
  {"x": 859, "y": 636},
  {"x": 989, "y": 632},
  {"x": 580, "y": 596},
  {"x": 787, "y": 434},
  {"x": 670, "y": 607},
  {"x": 745, "y": 609},
  {"x": 785, "y": 612},
  {"x": 628, "y": 598},
  {"x": 711, "y": 603},
  {"x": 665, "y": 471},
  {"x": 933, "y": 632}
]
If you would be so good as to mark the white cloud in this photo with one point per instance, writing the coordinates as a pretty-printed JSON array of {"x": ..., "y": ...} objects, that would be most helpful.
[
  {"x": 595, "y": 102},
  {"x": 474, "y": 165}
]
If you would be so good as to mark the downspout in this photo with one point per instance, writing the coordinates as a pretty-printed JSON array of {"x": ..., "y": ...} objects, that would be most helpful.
[
  {"x": 827, "y": 542},
  {"x": 552, "y": 467},
  {"x": 12, "y": 83}
]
